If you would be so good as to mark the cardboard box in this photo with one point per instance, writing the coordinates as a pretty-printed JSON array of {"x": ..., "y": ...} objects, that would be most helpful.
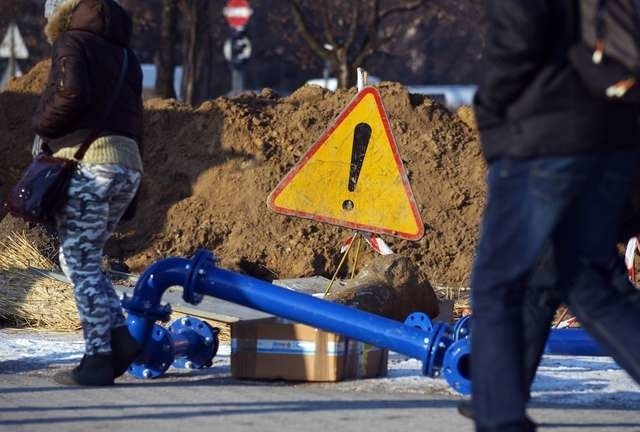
[{"x": 277, "y": 349}]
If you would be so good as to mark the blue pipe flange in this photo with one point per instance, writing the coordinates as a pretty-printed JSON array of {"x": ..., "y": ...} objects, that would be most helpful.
[
  {"x": 419, "y": 320},
  {"x": 462, "y": 328},
  {"x": 441, "y": 341},
  {"x": 157, "y": 356},
  {"x": 457, "y": 366},
  {"x": 195, "y": 342},
  {"x": 202, "y": 261}
]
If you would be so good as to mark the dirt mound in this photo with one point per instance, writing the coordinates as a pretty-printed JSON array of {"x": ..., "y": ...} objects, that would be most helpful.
[{"x": 208, "y": 171}]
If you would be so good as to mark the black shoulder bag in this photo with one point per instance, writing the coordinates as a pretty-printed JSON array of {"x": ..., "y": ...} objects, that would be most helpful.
[{"x": 42, "y": 190}]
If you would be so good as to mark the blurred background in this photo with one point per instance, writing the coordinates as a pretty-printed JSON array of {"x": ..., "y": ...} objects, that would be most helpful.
[{"x": 196, "y": 50}]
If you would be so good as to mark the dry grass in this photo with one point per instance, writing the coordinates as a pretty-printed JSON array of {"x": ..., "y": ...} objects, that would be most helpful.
[{"x": 28, "y": 298}]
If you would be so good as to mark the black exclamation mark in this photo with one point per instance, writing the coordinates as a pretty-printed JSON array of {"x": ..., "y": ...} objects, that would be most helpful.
[{"x": 361, "y": 137}]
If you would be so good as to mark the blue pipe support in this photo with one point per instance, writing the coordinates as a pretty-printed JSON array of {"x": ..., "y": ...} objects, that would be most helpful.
[{"x": 200, "y": 276}]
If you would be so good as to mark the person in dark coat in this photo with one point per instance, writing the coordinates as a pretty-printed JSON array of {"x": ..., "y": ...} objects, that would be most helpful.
[
  {"x": 89, "y": 39},
  {"x": 560, "y": 163}
]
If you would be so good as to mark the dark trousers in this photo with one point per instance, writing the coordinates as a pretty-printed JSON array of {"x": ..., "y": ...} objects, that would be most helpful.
[{"x": 573, "y": 205}]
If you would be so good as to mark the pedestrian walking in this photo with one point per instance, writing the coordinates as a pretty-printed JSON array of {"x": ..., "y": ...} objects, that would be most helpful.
[
  {"x": 90, "y": 60},
  {"x": 560, "y": 163}
]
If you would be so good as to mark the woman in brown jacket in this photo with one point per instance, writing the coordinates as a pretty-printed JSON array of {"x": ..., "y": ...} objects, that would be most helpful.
[{"x": 89, "y": 39}]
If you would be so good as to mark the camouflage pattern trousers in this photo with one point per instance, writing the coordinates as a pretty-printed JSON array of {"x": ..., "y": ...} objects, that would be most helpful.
[{"x": 98, "y": 196}]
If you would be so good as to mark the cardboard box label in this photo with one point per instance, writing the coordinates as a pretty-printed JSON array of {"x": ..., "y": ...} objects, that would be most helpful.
[{"x": 281, "y": 346}]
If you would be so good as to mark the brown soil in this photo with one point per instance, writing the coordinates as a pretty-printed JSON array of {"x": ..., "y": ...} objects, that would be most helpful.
[{"x": 209, "y": 170}]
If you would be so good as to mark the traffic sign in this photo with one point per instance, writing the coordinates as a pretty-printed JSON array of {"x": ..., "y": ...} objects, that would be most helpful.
[
  {"x": 13, "y": 45},
  {"x": 237, "y": 50},
  {"x": 353, "y": 176},
  {"x": 237, "y": 13}
]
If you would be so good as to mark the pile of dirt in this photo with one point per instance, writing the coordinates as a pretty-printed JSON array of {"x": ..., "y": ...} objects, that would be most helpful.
[{"x": 209, "y": 170}]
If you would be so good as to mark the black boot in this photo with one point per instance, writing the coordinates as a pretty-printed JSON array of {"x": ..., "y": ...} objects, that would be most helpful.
[
  {"x": 93, "y": 370},
  {"x": 125, "y": 350},
  {"x": 465, "y": 409}
]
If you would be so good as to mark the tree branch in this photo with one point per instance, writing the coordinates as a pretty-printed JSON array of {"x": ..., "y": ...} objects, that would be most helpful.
[
  {"x": 407, "y": 7},
  {"x": 353, "y": 28},
  {"x": 327, "y": 31},
  {"x": 305, "y": 31}
]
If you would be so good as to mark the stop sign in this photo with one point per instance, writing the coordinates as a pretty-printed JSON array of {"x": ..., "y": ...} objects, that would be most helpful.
[{"x": 237, "y": 13}]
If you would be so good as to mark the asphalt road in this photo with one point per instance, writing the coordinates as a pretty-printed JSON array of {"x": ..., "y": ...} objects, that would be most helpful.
[{"x": 210, "y": 401}]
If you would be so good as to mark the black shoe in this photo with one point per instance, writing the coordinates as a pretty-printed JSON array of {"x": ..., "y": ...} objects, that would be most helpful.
[
  {"x": 93, "y": 370},
  {"x": 125, "y": 350},
  {"x": 465, "y": 409}
]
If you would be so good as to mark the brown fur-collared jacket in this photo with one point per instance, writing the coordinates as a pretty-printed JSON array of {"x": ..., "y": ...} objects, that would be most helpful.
[{"x": 88, "y": 37}]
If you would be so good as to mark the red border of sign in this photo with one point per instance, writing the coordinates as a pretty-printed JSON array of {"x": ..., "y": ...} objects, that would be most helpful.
[{"x": 394, "y": 150}]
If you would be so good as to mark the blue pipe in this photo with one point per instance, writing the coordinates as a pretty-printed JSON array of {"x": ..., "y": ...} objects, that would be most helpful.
[
  {"x": 572, "y": 341},
  {"x": 300, "y": 307},
  {"x": 200, "y": 276}
]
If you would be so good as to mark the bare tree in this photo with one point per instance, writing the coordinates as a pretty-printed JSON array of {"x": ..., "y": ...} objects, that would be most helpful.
[
  {"x": 346, "y": 33},
  {"x": 165, "y": 59},
  {"x": 204, "y": 31}
]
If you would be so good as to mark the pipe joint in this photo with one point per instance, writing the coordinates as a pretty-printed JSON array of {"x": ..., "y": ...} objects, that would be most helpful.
[{"x": 201, "y": 264}]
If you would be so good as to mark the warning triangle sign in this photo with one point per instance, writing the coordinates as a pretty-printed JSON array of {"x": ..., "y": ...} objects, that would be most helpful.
[
  {"x": 13, "y": 45},
  {"x": 353, "y": 176}
]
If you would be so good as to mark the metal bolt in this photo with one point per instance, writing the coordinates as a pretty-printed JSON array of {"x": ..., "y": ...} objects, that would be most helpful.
[
  {"x": 187, "y": 267},
  {"x": 201, "y": 272},
  {"x": 185, "y": 321},
  {"x": 208, "y": 340},
  {"x": 426, "y": 341},
  {"x": 146, "y": 373},
  {"x": 442, "y": 345},
  {"x": 188, "y": 365}
]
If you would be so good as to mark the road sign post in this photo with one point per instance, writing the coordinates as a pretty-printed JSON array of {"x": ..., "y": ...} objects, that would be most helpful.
[{"x": 237, "y": 49}]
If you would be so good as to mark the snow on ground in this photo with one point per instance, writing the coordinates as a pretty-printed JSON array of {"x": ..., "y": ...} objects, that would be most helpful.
[{"x": 592, "y": 381}]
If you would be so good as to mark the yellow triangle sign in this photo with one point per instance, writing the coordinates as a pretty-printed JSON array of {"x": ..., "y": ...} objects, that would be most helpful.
[{"x": 353, "y": 176}]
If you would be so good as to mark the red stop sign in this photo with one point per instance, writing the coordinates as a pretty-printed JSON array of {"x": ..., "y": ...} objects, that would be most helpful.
[{"x": 237, "y": 13}]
